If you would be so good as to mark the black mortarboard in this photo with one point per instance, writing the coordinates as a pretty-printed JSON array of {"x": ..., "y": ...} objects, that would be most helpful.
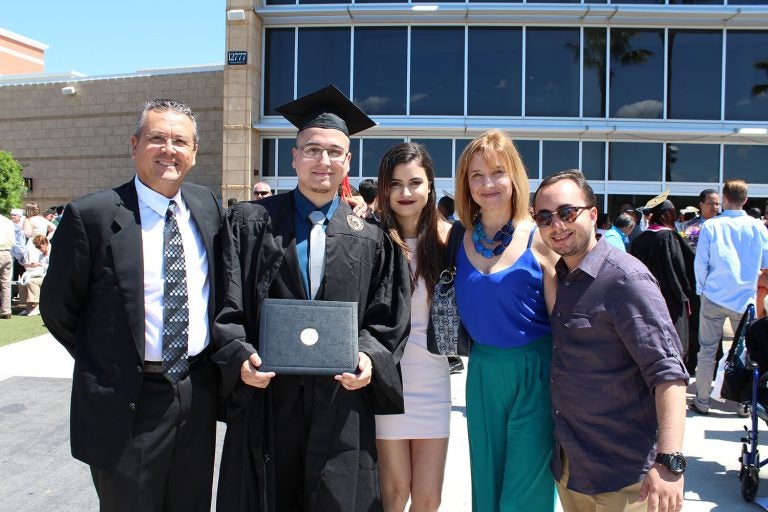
[{"x": 326, "y": 108}]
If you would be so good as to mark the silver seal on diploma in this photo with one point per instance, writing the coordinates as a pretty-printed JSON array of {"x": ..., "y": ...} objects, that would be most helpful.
[{"x": 308, "y": 336}]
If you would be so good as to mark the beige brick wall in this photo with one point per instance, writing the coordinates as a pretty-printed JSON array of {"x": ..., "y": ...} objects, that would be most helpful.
[{"x": 73, "y": 145}]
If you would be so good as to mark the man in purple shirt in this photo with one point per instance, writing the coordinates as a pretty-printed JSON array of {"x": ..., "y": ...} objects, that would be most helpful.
[{"x": 618, "y": 379}]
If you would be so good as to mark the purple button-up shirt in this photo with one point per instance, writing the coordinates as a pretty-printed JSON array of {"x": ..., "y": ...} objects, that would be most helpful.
[{"x": 613, "y": 342}]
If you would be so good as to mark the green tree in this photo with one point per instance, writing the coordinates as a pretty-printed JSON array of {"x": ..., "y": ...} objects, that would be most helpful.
[{"x": 12, "y": 187}]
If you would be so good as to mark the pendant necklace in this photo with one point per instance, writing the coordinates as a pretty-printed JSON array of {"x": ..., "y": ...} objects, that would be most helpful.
[{"x": 502, "y": 237}]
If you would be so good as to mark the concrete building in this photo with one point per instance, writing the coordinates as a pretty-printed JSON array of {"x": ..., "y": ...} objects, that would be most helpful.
[
  {"x": 642, "y": 96},
  {"x": 19, "y": 54}
]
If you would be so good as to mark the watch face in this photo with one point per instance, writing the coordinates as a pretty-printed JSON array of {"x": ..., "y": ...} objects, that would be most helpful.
[{"x": 677, "y": 464}]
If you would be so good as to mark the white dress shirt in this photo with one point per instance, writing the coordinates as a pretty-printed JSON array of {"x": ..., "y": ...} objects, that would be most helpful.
[{"x": 152, "y": 208}]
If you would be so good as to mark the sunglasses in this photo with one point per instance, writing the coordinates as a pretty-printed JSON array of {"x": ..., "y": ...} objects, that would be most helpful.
[
  {"x": 566, "y": 214},
  {"x": 261, "y": 193}
]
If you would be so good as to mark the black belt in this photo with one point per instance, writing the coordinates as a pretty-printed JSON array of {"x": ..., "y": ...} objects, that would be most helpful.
[{"x": 157, "y": 366}]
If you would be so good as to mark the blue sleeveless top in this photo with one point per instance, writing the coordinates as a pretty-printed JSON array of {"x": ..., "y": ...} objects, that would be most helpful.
[{"x": 506, "y": 308}]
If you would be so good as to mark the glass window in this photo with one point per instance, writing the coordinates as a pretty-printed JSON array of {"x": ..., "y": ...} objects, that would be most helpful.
[
  {"x": 693, "y": 162},
  {"x": 695, "y": 57},
  {"x": 746, "y": 75},
  {"x": 559, "y": 155},
  {"x": 380, "y": 70},
  {"x": 441, "y": 151},
  {"x": 373, "y": 150},
  {"x": 633, "y": 161},
  {"x": 437, "y": 71},
  {"x": 267, "y": 157},
  {"x": 285, "y": 157},
  {"x": 459, "y": 146},
  {"x": 747, "y": 2},
  {"x": 278, "y": 68},
  {"x": 595, "y": 68},
  {"x": 701, "y": 2},
  {"x": 280, "y": 2},
  {"x": 552, "y": 72},
  {"x": 745, "y": 162},
  {"x": 495, "y": 60},
  {"x": 323, "y": 59},
  {"x": 593, "y": 160},
  {"x": 529, "y": 152},
  {"x": 637, "y": 73}
]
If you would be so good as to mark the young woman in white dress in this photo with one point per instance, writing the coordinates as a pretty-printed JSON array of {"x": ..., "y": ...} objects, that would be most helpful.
[{"x": 412, "y": 447}]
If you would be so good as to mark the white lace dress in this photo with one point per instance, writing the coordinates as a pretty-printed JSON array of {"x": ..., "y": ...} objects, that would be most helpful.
[{"x": 426, "y": 381}]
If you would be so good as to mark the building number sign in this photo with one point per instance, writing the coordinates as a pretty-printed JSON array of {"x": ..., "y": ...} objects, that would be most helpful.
[{"x": 237, "y": 58}]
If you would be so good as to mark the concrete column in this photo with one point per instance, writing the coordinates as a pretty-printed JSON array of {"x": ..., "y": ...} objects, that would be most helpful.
[{"x": 242, "y": 90}]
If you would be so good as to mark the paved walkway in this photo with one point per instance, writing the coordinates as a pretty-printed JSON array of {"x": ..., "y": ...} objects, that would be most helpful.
[{"x": 39, "y": 475}]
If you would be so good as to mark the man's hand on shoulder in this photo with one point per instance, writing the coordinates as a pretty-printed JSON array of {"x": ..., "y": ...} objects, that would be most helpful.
[
  {"x": 353, "y": 381},
  {"x": 250, "y": 374},
  {"x": 663, "y": 490}
]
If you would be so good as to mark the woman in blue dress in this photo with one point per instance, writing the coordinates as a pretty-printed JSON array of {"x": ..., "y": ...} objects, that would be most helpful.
[{"x": 505, "y": 286}]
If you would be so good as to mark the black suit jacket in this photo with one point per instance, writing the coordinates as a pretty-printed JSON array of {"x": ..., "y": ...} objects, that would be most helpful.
[{"x": 92, "y": 301}]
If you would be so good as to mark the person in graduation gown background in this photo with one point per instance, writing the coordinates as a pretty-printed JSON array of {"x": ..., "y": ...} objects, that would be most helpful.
[
  {"x": 300, "y": 442},
  {"x": 670, "y": 259}
]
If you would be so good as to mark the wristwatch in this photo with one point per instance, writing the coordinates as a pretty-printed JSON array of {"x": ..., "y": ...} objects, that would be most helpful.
[{"x": 675, "y": 462}]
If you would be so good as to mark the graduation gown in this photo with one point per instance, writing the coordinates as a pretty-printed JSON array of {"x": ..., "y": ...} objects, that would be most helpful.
[
  {"x": 670, "y": 260},
  {"x": 258, "y": 259}
]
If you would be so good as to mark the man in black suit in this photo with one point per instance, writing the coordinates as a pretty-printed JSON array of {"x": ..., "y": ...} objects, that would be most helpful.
[{"x": 129, "y": 293}]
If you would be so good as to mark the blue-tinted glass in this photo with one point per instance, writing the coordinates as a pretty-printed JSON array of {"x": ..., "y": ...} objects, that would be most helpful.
[
  {"x": 285, "y": 157},
  {"x": 380, "y": 70},
  {"x": 278, "y": 68},
  {"x": 459, "y": 147},
  {"x": 559, "y": 155},
  {"x": 747, "y": 2},
  {"x": 693, "y": 162},
  {"x": 323, "y": 59},
  {"x": 354, "y": 164},
  {"x": 437, "y": 71},
  {"x": 552, "y": 72},
  {"x": 595, "y": 69},
  {"x": 267, "y": 157},
  {"x": 593, "y": 160},
  {"x": 637, "y": 73},
  {"x": 699, "y": 2},
  {"x": 280, "y": 2},
  {"x": 634, "y": 161},
  {"x": 695, "y": 57},
  {"x": 373, "y": 150},
  {"x": 745, "y": 162},
  {"x": 441, "y": 151},
  {"x": 637, "y": 1},
  {"x": 494, "y": 76},
  {"x": 529, "y": 152},
  {"x": 746, "y": 75}
]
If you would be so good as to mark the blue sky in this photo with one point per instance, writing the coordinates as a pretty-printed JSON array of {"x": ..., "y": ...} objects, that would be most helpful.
[{"x": 106, "y": 37}]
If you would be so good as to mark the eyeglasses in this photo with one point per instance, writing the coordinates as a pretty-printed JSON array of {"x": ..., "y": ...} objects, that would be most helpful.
[
  {"x": 713, "y": 205},
  {"x": 261, "y": 193},
  {"x": 316, "y": 151},
  {"x": 566, "y": 214},
  {"x": 162, "y": 141}
]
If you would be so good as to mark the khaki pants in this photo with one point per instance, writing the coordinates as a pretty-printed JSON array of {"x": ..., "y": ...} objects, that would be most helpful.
[
  {"x": 30, "y": 293},
  {"x": 6, "y": 269},
  {"x": 623, "y": 500}
]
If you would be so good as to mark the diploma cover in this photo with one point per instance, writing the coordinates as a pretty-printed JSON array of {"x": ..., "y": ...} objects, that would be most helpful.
[{"x": 308, "y": 337}]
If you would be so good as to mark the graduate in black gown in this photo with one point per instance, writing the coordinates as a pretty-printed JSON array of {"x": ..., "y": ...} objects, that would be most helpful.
[
  {"x": 298, "y": 443},
  {"x": 670, "y": 259}
]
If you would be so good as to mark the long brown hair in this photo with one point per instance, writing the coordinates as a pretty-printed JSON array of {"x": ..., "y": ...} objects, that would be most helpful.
[{"x": 430, "y": 249}]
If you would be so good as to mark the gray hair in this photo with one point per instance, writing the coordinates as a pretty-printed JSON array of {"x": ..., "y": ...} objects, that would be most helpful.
[{"x": 165, "y": 105}]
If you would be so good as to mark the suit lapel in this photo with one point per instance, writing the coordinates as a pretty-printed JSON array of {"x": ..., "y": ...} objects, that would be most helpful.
[{"x": 129, "y": 261}]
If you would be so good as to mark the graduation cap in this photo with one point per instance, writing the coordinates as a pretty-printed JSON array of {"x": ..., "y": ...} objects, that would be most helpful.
[
  {"x": 659, "y": 204},
  {"x": 326, "y": 108}
]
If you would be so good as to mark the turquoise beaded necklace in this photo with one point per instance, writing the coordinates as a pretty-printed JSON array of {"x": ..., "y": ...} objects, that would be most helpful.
[{"x": 502, "y": 237}]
